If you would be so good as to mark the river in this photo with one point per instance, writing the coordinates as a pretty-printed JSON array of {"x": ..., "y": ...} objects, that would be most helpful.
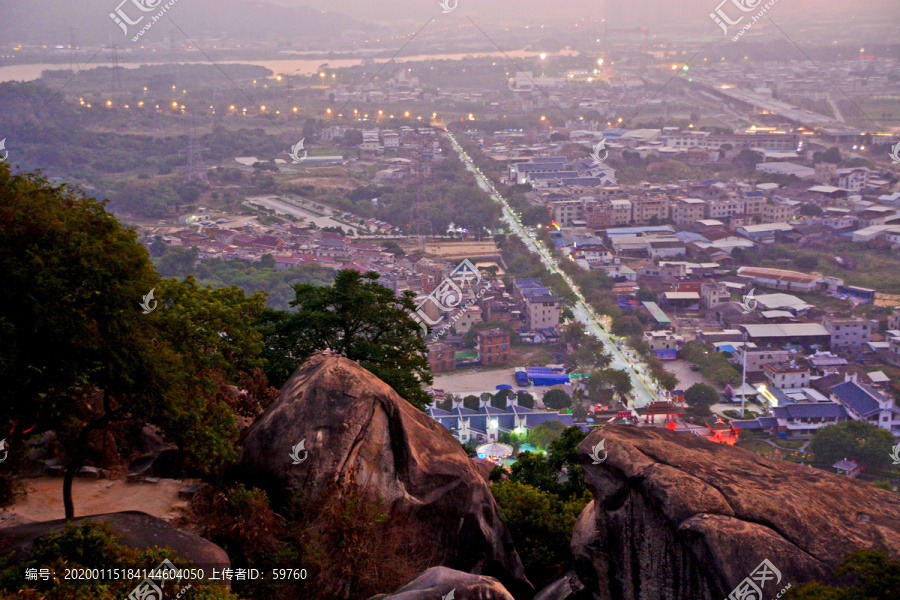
[{"x": 286, "y": 66}]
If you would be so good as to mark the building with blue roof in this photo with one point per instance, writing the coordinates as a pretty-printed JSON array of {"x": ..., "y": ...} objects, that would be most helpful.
[
  {"x": 850, "y": 401},
  {"x": 488, "y": 422}
]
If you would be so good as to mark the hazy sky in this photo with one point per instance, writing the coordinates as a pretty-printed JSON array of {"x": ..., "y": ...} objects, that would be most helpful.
[
  {"x": 46, "y": 20},
  {"x": 630, "y": 12}
]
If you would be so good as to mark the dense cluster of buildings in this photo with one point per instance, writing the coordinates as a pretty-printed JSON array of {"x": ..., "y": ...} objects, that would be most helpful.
[{"x": 528, "y": 311}]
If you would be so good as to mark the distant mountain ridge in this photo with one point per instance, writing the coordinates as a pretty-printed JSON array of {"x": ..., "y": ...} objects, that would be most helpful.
[{"x": 49, "y": 20}]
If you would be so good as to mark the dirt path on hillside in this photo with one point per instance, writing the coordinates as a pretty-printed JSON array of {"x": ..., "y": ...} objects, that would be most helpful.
[{"x": 44, "y": 501}]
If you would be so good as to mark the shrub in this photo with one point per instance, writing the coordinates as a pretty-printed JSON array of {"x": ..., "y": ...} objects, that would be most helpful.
[
  {"x": 92, "y": 546},
  {"x": 541, "y": 526}
]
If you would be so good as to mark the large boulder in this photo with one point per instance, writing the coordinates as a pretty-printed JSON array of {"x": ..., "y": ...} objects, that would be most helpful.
[
  {"x": 676, "y": 516},
  {"x": 357, "y": 431},
  {"x": 138, "y": 530},
  {"x": 567, "y": 587},
  {"x": 439, "y": 582}
]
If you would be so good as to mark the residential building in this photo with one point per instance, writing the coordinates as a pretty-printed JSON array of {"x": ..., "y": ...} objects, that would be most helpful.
[
  {"x": 786, "y": 376},
  {"x": 687, "y": 210},
  {"x": 540, "y": 308},
  {"x": 565, "y": 212},
  {"x": 664, "y": 344},
  {"x": 493, "y": 346},
  {"x": 865, "y": 403},
  {"x": 753, "y": 205},
  {"x": 848, "y": 333},
  {"x": 598, "y": 213},
  {"x": 622, "y": 212},
  {"x": 713, "y": 294},
  {"x": 759, "y": 356},
  {"x": 893, "y": 323},
  {"x": 465, "y": 319},
  {"x": 441, "y": 357},
  {"x": 645, "y": 209},
  {"x": 777, "y": 213},
  {"x": 724, "y": 208}
]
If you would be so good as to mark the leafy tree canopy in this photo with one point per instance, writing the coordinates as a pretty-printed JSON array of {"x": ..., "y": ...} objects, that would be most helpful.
[
  {"x": 853, "y": 440},
  {"x": 701, "y": 395},
  {"x": 557, "y": 399},
  {"x": 875, "y": 576},
  {"x": 356, "y": 317},
  {"x": 78, "y": 353}
]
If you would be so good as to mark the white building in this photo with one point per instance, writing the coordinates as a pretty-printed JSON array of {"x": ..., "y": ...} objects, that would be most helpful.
[
  {"x": 848, "y": 333},
  {"x": 786, "y": 376}
]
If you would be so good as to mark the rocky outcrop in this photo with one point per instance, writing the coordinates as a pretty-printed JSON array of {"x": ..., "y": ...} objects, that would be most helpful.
[
  {"x": 675, "y": 516},
  {"x": 137, "y": 530},
  {"x": 438, "y": 582},
  {"x": 567, "y": 587},
  {"x": 356, "y": 430}
]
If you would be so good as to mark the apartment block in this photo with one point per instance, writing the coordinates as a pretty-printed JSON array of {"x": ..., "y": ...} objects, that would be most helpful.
[
  {"x": 753, "y": 205},
  {"x": 713, "y": 294},
  {"x": 759, "y": 356},
  {"x": 848, "y": 333},
  {"x": 441, "y": 357},
  {"x": 540, "y": 308},
  {"x": 787, "y": 376},
  {"x": 777, "y": 213},
  {"x": 724, "y": 208},
  {"x": 645, "y": 209},
  {"x": 687, "y": 210},
  {"x": 622, "y": 212},
  {"x": 493, "y": 346}
]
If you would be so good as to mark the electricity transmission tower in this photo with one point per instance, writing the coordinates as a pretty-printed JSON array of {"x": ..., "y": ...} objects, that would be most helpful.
[
  {"x": 421, "y": 222},
  {"x": 195, "y": 167}
]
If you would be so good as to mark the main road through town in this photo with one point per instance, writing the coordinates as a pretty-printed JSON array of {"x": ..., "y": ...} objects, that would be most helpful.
[{"x": 643, "y": 391}]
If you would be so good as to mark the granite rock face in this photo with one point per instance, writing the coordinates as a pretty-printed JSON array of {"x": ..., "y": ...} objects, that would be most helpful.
[
  {"x": 439, "y": 582},
  {"x": 357, "y": 430},
  {"x": 567, "y": 587},
  {"x": 676, "y": 516}
]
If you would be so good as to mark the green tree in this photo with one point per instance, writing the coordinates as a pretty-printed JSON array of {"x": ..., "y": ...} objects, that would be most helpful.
[
  {"x": 853, "y": 440},
  {"x": 267, "y": 261},
  {"x": 501, "y": 398},
  {"x": 701, "y": 395},
  {"x": 811, "y": 210},
  {"x": 579, "y": 411},
  {"x": 563, "y": 458},
  {"x": 807, "y": 262},
  {"x": 832, "y": 155},
  {"x": 545, "y": 433},
  {"x": 590, "y": 354},
  {"x": 177, "y": 261},
  {"x": 525, "y": 400},
  {"x": 533, "y": 468},
  {"x": 874, "y": 575},
  {"x": 540, "y": 524},
  {"x": 747, "y": 159},
  {"x": 557, "y": 400},
  {"x": 356, "y": 317},
  {"x": 668, "y": 381},
  {"x": 79, "y": 354},
  {"x": 627, "y": 325},
  {"x": 471, "y": 402},
  {"x": 618, "y": 381}
]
